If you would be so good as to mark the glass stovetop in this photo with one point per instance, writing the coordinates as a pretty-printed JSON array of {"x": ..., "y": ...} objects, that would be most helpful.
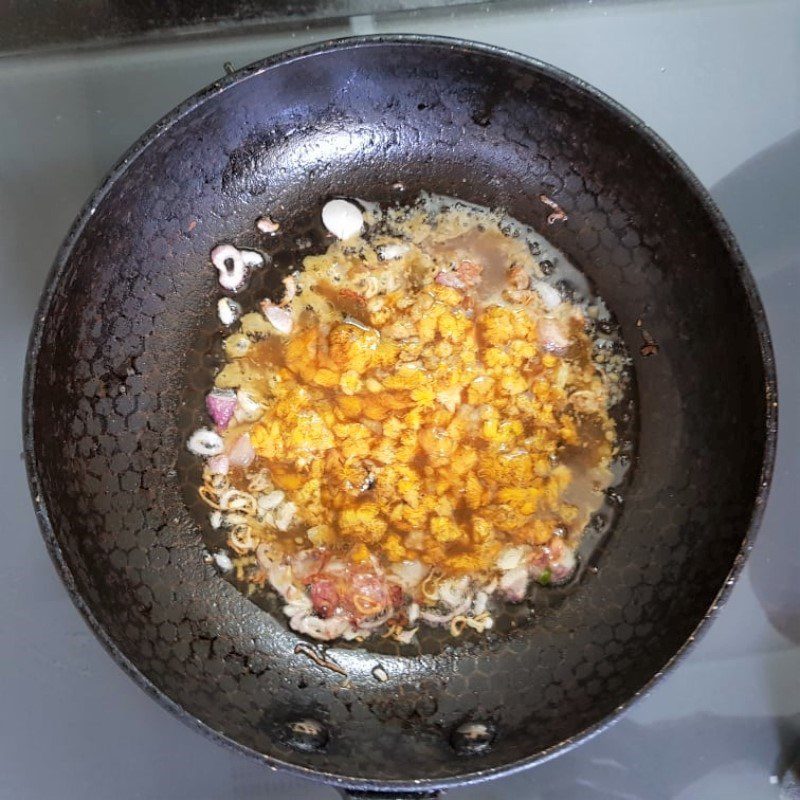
[{"x": 720, "y": 81}]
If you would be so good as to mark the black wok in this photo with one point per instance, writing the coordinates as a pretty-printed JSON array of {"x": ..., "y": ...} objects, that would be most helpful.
[{"x": 121, "y": 348}]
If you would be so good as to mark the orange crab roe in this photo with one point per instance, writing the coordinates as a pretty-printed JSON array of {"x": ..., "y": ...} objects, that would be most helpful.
[{"x": 431, "y": 429}]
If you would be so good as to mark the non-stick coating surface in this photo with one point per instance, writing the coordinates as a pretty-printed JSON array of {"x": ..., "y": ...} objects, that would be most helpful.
[{"x": 117, "y": 343}]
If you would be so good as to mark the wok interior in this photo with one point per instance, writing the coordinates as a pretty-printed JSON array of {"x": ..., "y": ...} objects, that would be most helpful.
[{"x": 129, "y": 328}]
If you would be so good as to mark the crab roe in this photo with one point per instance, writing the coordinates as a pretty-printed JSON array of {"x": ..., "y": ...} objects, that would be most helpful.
[{"x": 430, "y": 428}]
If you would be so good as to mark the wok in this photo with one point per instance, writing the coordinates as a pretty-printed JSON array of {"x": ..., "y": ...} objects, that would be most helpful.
[{"x": 122, "y": 349}]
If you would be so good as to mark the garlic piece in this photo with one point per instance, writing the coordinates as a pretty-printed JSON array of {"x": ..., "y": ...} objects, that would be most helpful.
[
  {"x": 228, "y": 310},
  {"x": 279, "y": 318},
  {"x": 267, "y": 225},
  {"x": 393, "y": 251},
  {"x": 342, "y": 218},
  {"x": 272, "y": 500},
  {"x": 204, "y": 442},
  {"x": 247, "y": 409},
  {"x": 510, "y": 558},
  {"x": 550, "y": 295},
  {"x": 223, "y": 561},
  {"x": 284, "y": 516}
]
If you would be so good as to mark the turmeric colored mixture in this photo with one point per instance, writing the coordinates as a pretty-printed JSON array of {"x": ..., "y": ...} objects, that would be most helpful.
[{"x": 427, "y": 401}]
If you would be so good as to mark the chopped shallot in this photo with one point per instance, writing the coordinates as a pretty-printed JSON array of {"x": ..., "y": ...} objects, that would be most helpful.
[
  {"x": 242, "y": 453},
  {"x": 368, "y": 594},
  {"x": 234, "y": 265},
  {"x": 218, "y": 465},
  {"x": 514, "y": 584},
  {"x": 563, "y": 569},
  {"x": 220, "y": 404},
  {"x": 279, "y": 575},
  {"x": 450, "y": 279}
]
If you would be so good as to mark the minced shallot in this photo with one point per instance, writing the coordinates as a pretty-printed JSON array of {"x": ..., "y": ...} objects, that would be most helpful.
[
  {"x": 221, "y": 404},
  {"x": 234, "y": 265}
]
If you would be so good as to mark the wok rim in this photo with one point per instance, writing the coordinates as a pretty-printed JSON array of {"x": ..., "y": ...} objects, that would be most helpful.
[{"x": 544, "y": 69}]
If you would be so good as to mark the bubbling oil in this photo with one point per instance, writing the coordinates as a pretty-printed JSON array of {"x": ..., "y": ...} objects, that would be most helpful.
[{"x": 494, "y": 247}]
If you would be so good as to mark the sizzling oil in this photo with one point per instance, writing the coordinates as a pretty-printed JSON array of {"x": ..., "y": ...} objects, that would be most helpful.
[{"x": 493, "y": 250}]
